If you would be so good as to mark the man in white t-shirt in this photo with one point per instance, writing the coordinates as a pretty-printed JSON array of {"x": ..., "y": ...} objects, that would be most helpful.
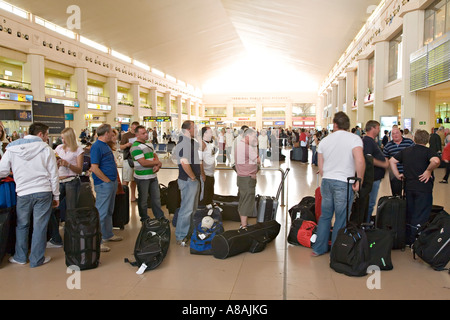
[{"x": 340, "y": 155}]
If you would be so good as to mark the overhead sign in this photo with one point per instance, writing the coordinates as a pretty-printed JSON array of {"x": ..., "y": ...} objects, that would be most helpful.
[
  {"x": 51, "y": 114},
  {"x": 158, "y": 118}
]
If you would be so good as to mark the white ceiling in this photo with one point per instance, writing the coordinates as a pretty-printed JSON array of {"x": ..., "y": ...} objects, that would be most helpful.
[{"x": 199, "y": 40}]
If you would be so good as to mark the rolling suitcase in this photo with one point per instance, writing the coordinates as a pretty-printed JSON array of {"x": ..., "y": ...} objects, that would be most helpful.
[
  {"x": 82, "y": 238},
  {"x": 380, "y": 246},
  {"x": 6, "y": 219},
  {"x": 267, "y": 206},
  {"x": 121, "y": 214},
  {"x": 318, "y": 201},
  {"x": 296, "y": 154},
  {"x": 350, "y": 251},
  {"x": 253, "y": 239},
  {"x": 391, "y": 215},
  {"x": 173, "y": 196}
]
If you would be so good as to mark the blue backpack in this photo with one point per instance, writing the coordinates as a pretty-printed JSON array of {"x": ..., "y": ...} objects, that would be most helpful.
[
  {"x": 8, "y": 197},
  {"x": 201, "y": 239}
]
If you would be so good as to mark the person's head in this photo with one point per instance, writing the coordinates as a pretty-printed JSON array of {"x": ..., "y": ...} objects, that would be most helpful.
[
  {"x": 113, "y": 142},
  {"x": 105, "y": 132},
  {"x": 421, "y": 137},
  {"x": 207, "y": 134},
  {"x": 69, "y": 139},
  {"x": 188, "y": 128},
  {"x": 40, "y": 130},
  {"x": 396, "y": 134},
  {"x": 372, "y": 128},
  {"x": 133, "y": 126},
  {"x": 141, "y": 133},
  {"x": 341, "y": 121},
  {"x": 249, "y": 136}
]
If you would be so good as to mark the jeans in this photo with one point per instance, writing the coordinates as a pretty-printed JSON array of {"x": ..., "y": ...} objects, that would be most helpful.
[
  {"x": 69, "y": 193},
  {"x": 146, "y": 188},
  {"x": 106, "y": 196},
  {"x": 314, "y": 155},
  {"x": 262, "y": 155},
  {"x": 40, "y": 205},
  {"x": 418, "y": 210},
  {"x": 189, "y": 202},
  {"x": 373, "y": 198},
  {"x": 334, "y": 195}
]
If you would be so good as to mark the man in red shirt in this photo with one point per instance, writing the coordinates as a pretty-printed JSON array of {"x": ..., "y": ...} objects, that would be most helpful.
[{"x": 446, "y": 159}]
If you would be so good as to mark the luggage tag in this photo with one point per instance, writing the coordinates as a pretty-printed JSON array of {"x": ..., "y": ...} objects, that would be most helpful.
[{"x": 142, "y": 269}]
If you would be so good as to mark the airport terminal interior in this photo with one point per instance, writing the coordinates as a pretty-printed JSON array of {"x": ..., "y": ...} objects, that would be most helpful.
[{"x": 279, "y": 65}]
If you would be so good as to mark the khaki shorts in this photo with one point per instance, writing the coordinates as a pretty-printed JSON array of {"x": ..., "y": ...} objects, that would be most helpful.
[
  {"x": 127, "y": 172},
  {"x": 247, "y": 187}
]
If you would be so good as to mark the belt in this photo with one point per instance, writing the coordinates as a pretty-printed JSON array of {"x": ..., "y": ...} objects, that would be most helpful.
[{"x": 68, "y": 179}]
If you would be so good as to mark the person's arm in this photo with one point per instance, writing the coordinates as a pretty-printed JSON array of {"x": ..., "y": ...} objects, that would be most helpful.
[
  {"x": 99, "y": 173},
  {"x": 78, "y": 169},
  {"x": 382, "y": 164},
  {"x": 320, "y": 163},
  {"x": 434, "y": 163},
  {"x": 5, "y": 165},
  {"x": 360, "y": 165},
  {"x": 52, "y": 169},
  {"x": 187, "y": 168},
  {"x": 393, "y": 163}
]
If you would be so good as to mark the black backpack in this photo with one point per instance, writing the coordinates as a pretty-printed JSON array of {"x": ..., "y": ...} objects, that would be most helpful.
[
  {"x": 152, "y": 244},
  {"x": 433, "y": 242},
  {"x": 350, "y": 252},
  {"x": 82, "y": 238}
]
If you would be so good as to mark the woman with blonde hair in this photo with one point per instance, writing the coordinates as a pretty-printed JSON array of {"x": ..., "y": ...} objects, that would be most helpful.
[{"x": 70, "y": 165}]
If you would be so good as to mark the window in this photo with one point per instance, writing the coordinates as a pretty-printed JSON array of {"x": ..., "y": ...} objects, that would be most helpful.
[
  {"x": 395, "y": 58},
  {"x": 371, "y": 75},
  {"x": 437, "y": 20}
]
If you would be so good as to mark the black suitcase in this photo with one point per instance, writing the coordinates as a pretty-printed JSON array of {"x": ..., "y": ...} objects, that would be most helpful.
[
  {"x": 82, "y": 238},
  {"x": 152, "y": 244},
  {"x": 173, "y": 196},
  {"x": 380, "y": 246},
  {"x": 86, "y": 198},
  {"x": 350, "y": 251},
  {"x": 360, "y": 208},
  {"x": 254, "y": 239},
  {"x": 121, "y": 215},
  {"x": 391, "y": 215},
  {"x": 6, "y": 218}
]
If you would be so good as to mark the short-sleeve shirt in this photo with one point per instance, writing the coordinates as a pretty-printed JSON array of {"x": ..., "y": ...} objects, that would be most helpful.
[
  {"x": 391, "y": 149},
  {"x": 416, "y": 160},
  {"x": 102, "y": 155},
  {"x": 337, "y": 151},
  {"x": 187, "y": 148},
  {"x": 372, "y": 148},
  {"x": 145, "y": 151},
  {"x": 70, "y": 157}
]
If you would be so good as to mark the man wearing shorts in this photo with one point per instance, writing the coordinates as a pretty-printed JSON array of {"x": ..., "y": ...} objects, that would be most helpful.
[
  {"x": 127, "y": 172},
  {"x": 246, "y": 164}
]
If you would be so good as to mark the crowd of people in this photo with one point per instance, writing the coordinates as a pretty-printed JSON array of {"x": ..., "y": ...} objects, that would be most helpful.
[{"x": 47, "y": 179}]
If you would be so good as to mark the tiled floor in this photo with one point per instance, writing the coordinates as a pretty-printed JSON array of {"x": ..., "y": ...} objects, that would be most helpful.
[{"x": 281, "y": 271}]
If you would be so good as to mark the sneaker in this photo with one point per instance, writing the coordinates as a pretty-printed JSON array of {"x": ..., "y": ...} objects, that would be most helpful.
[
  {"x": 113, "y": 239},
  {"x": 443, "y": 181},
  {"x": 11, "y": 259},
  {"x": 51, "y": 244},
  {"x": 47, "y": 260},
  {"x": 241, "y": 228},
  {"x": 104, "y": 248},
  {"x": 181, "y": 243}
]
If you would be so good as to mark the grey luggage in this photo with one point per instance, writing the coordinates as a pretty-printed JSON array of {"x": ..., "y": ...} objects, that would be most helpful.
[{"x": 267, "y": 206}]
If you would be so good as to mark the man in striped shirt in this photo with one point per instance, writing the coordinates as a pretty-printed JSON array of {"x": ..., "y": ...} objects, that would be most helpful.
[
  {"x": 146, "y": 165},
  {"x": 397, "y": 144}
]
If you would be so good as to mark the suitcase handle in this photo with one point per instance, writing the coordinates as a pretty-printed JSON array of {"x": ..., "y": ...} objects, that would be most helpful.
[{"x": 349, "y": 181}]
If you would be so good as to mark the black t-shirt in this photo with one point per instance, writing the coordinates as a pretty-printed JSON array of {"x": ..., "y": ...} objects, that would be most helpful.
[
  {"x": 416, "y": 160},
  {"x": 372, "y": 148}
]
